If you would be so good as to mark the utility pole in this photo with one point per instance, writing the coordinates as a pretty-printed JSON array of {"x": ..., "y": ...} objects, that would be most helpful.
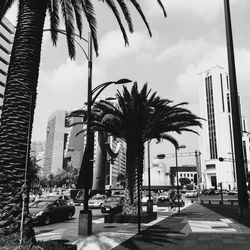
[{"x": 236, "y": 118}]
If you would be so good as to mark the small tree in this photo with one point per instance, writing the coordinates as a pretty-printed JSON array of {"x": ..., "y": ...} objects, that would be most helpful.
[{"x": 184, "y": 181}]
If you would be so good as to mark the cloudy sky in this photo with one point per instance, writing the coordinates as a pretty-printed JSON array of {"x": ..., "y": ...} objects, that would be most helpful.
[{"x": 189, "y": 41}]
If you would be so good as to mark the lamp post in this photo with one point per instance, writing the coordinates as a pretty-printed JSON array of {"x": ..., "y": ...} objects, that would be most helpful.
[
  {"x": 149, "y": 201},
  {"x": 177, "y": 178},
  {"x": 236, "y": 118}
]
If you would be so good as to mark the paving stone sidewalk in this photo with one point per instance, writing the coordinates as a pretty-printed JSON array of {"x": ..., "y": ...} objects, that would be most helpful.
[{"x": 197, "y": 227}]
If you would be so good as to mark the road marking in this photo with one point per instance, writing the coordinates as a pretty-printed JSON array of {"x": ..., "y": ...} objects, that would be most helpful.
[{"x": 98, "y": 221}]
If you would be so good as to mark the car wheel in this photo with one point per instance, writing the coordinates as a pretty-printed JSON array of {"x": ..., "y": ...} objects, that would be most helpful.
[
  {"x": 46, "y": 220},
  {"x": 70, "y": 215}
]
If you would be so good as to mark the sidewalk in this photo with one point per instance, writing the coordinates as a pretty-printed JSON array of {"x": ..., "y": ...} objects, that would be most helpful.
[
  {"x": 197, "y": 227},
  {"x": 105, "y": 236}
]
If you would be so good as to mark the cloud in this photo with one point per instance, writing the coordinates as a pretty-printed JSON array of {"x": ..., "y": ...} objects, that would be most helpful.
[
  {"x": 112, "y": 45},
  {"x": 207, "y": 10},
  {"x": 188, "y": 81}
]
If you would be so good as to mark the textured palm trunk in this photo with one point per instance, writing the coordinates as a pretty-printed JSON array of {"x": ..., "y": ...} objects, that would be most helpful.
[
  {"x": 17, "y": 115},
  {"x": 134, "y": 171}
]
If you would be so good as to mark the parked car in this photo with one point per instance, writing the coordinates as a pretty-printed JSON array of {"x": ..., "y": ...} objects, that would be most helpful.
[
  {"x": 112, "y": 204},
  {"x": 55, "y": 197},
  {"x": 191, "y": 194},
  {"x": 48, "y": 211},
  {"x": 232, "y": 192},
  {"x": 118, "y": 192},
  {"x": 163, "y": 197},
  {"x": 145, "y": 198},
  {"x": 96, "y": 201},
  {"x": 209, "y": 191}
]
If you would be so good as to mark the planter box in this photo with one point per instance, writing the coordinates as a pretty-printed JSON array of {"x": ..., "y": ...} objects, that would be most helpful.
[
  {"x": 123, "y": 218},
  {"x": 169, "y": 204}
]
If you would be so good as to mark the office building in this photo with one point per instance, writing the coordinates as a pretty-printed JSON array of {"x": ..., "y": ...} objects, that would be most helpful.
[
  {"x": 6, "y": 39},
  {"x": 216, "y": 136},
  {"x": 75, "y": 143},
  {"x": 56, "y": 138},
  {"x": 116, "y": 166}
]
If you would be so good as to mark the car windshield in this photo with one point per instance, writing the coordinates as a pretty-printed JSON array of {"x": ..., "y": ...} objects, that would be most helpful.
[
  {"x": 40, "y": 204},
  {"x": 113, "y": 199},
  {"x": 97, "y": 198},
  {"x": 51, "y": 197}
]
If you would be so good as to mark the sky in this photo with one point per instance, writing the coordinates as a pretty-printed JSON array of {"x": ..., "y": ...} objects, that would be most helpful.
[{"x": 189, "y": 41}]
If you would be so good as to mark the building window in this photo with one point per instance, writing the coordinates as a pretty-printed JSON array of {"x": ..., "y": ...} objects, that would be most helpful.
[
  {"x": 228, "y": 103},
  {"x": 211, "y": 117},
  {"x": 191, "y": 175},
  {"x": 227, "y": 83},
  {"x": 244, "y": 125},
  {"x": 222, "y": 93},
  {"x": 184, "y": 175},
  {"x": 210, "y": 166},
  {"x": 180, "y": 175},
  {"x": 187, "y": 175}
]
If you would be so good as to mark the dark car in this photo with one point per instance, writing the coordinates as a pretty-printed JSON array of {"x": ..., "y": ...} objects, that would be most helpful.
[
  {"x": 48, "y": 211},
  {"x": 58, "y": 196},
  {"x": 113, "y": 204},
  {"x": 209, "y": 191}
]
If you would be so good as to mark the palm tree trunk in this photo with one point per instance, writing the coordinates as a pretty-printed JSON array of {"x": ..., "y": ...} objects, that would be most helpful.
[
  {"x": 134, "y": 171},
  {"x": 17, "y": 115}
]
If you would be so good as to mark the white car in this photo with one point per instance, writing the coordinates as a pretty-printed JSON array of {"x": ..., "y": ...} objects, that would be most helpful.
[
  {"x": 96, "y": 201},
  {"x": 191, "y": 194}
]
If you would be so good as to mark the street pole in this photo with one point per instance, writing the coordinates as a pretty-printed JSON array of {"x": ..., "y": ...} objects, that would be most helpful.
[
  {"x": 236, "y": 119},
  {"x": 149, "y": 201},
  {"x": 149, "y": 184},
  {"x": 85, "y": 177},
  {"x": 177, "y": 179}
]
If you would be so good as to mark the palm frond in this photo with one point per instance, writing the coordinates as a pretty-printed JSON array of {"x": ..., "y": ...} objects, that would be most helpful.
[
  {"x": 53, "y": 10},
  {"x": 126, "y": 14},
  {"x": 4, "y": 6},
  {"x": 162, "y": 7},
  {"x": 139, "y": 10},
  {"x": 112, "y": 6},
  {"x": 78, "y": 15},
  {"x": 89, "y": 12}
]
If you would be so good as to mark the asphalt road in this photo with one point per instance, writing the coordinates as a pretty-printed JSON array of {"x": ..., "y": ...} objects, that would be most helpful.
[{"x": 96, "y": 213}]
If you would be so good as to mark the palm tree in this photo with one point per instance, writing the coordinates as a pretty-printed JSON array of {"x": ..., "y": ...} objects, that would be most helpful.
[
  {"x": 21, "y": 86},
  {"x": 136, "y": 118}
]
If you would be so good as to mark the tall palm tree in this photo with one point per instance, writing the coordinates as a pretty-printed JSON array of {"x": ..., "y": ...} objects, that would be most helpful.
[
  {"x": 137, "y": 118},
  {"x": 21, "y": 86}
]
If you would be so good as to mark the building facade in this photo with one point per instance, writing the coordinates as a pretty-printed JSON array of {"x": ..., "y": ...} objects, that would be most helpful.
[
  {"x": 116, "y": 166},
  {"x": 6, "y": 40},
  {"x": 75, "y": 143},
  {"x": 56, "y": 138},
  {"x": 216, "y": 136}
]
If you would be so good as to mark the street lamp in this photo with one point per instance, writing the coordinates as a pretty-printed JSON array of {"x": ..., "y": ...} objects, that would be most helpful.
[
  {"x": 177, "y": 178},
  {"x": 149, "y": 201}
]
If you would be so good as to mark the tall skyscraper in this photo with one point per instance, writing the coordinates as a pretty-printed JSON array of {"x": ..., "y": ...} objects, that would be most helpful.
[
  {"x": 57, "y": 132},
  {"x": 216, "y": 136},
  {"x": 6, "y": 39}
]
